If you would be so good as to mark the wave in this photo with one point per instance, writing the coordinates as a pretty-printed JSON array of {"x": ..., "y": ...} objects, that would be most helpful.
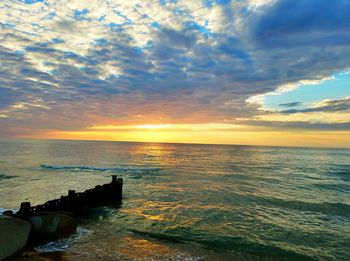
[
  {"x": 99, "y": 169},
  {"x": 63, "y": 244},
  {"x": 236, "y": 244},
  {"x": 339, "y": 169},
  {"x": 330, "y": 208},
  {"x": 4, "y": 209},
  {"x": 334, "y": 187},
  {"x": 4, "y": 176}
]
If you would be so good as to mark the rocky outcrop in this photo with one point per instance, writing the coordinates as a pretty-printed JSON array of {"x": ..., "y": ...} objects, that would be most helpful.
[
  {"x": 13, "y": 235},
  {"x": 77, "y": 203},
  {"x": 50, "y": 227},
  {"x": 32, "y": 225}
]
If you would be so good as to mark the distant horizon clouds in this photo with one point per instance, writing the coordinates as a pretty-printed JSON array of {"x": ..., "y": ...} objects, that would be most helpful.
[{"x": 72, "y": 65}]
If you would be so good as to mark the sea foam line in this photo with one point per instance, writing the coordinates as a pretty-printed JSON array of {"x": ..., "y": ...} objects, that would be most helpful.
[{"x": 101, "y": 169}]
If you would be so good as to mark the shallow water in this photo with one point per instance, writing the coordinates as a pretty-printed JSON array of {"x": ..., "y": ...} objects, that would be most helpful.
[{"x": 191, "y": 202}]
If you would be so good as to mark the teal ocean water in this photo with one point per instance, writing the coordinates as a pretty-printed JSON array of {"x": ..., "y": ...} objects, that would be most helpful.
[{"x": 191, "y": 202}]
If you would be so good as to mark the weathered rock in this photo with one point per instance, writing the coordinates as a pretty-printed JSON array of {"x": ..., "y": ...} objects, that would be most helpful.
[
  {"x": 51, "y": 226},
  {"x": 8, "y": 213},
  {"x": 13, "y": 235}
]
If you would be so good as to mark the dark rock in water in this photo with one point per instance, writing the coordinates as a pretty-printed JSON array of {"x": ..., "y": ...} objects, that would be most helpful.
[
  {"x": 8, "y": 213},
  {"x": 13, "y": 235},
  {"x": 51, "y": 256},
  {"x": 78, "y": 203},
  {"x": 24, "y": 211},
  {"x": 54, "y": 219},
  {"x": 50, "y": 227}
]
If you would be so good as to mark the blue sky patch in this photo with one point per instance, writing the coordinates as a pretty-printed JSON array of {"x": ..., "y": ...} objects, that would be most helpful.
[
  {"x": 165, "y": 2},
  {"x": 208, "y": 3},
  {"x": 307, "y": 95},
  {"x": 223, "y": 2},
  {"x": 51, "y": 15},
  {"x": 7, "y": 25},
  {"x": 81, "y": 14},
  {"x": 32, "y": 1},
  {"x": 101, "y": 18},
  {"x": 56, "y": 41},
  {"x": 101, "y": 41},
  {"x": 205, "y": 31},
  {"x": 155, "y": 25}
]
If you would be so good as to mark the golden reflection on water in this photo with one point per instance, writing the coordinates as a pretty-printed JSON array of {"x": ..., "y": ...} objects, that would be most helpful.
[
  {"x": 152, "y": 149},
  {"x": 160, "y": 152},
  {"x": 151, "y": 210},
  {"x": 140, "y": 212},
  {"x": 137, "y": 249}
]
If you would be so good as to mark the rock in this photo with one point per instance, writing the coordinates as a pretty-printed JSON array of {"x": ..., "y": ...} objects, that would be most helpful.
[
  {"x": 51, "y": 256},
  {"x": 14, "y": 235},
  {"x": 50, "y": 227},
  {"x": 8, "y": 213}
]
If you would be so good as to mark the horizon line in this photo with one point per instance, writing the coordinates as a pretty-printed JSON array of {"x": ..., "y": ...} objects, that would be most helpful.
[{"x": 178, "y": 143}]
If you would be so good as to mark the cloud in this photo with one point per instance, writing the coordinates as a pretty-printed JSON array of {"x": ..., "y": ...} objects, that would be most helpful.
[
  {"x": 290, "y": 104},
  {"x": 7, "y": 97},
  {"x": 295, "y": 35},
  {"x": 326, "y": 106},
  {"x": 278, "y": 124},
  {"x": 314, "y": 117},
  {"x": 115, "y": 62},
  {"x": 292, "y": 24}
]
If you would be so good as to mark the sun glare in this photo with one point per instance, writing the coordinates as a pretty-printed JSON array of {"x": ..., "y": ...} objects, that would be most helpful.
[{"x": 152, "y": 126}]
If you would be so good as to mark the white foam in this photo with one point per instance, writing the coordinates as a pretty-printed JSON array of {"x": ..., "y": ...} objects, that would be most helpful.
[
  {"x": 101, "y": 169},
  {"x": 63, "y": 244}
]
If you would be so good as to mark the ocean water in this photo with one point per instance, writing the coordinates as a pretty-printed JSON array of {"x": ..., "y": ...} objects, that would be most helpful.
[{"x": 191, "y": 202}]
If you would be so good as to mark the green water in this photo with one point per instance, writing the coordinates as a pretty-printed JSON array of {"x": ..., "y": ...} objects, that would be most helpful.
[{"x": 191, "y": 202}]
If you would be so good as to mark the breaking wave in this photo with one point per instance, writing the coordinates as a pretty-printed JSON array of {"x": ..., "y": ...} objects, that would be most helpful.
[
  {"x": 4, "y": 176},
  {"x": 63, "y": 244},
  {"x": 100, "y": 169},
  {"x": 228, "y": 244}
]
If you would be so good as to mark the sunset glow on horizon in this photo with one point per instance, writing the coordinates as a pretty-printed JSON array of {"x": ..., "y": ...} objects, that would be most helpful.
[{"x": 204, "y": 134}]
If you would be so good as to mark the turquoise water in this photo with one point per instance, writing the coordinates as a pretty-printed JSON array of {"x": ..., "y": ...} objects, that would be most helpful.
[{"x": 191, "y": 202}]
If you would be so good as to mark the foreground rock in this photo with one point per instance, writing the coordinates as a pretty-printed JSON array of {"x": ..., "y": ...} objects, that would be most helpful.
[
  {"x": 13, "y": 235},
  {"x": 50, "y": 227},
  {"x": 51, "y": 256},
  {"x": 32, "y": 225}
]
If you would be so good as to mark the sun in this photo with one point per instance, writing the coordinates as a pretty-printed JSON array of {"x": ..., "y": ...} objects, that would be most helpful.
[{"x": 152, "y": 126}]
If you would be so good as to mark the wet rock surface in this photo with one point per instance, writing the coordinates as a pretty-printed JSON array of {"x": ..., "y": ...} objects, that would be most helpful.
[
  {"x": 50, "y": 227},
  {"x": 14, "y": 235}
]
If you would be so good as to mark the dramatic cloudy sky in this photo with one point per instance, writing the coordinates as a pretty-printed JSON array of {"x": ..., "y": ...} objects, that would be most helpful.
[{"x": 240, "y": 71}]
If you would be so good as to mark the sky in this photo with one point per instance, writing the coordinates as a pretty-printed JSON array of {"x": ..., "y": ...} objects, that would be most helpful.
[{"x": 257, "y": 72}]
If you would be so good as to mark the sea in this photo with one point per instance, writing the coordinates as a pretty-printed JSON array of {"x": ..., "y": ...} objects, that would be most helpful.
[{"x": 190, "y": 201}]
